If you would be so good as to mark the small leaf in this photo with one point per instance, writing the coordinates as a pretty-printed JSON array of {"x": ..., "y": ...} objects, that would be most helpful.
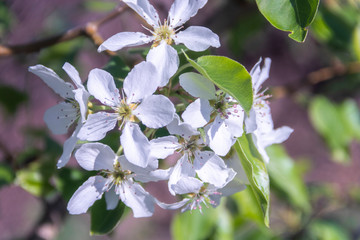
[
  {"x": 256, "y": 172},
  {"x": 6, "y": 175},
  {"x": 229, "y": 75},
  {"x": 290, "y": 15},
  {"x": 104, "y": 221},
  {"x": 286, "y": 179}
]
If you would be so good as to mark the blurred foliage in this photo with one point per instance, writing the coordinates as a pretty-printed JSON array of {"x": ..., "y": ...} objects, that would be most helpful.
[{"x": 11, "y": 99}]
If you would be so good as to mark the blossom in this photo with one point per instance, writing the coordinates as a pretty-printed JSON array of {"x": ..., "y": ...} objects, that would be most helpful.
[
  {"x": 195, "y": 38},
  {"x": 194, "y": 159},
  {"x": 260, "y": 115},
  {"x": 117, "y": 179},
  {"x": 221, "y": 113},
  {"x": 136, "y": 103},
  {"x": 73, "y": 110}
]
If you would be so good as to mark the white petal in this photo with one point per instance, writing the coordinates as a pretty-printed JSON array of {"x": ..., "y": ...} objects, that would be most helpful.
[
  {"x": 69, "y": 146},
  {"x": 214, "y": 170},
  {"x": 136, "y": 145},
  {"x": 155, "y": 111},
  {"x": 250, "y": 121},
  {"x": 141, "y": 82},
  {"x": 187, "y": 185},
  {"x": 102, "y": 86},
  {"x": 135, "y": 197},
  {"x": 184, "y": 130},
  {"x": 259, "y": 75},
  {"x": 112, "y": 199},
  {"x": 164, "y": 146},
  {"x": 145, "y": 10},
  {"x": 60, "y": 117},
  {"x": 73, "y": 74},
  {"x": 235, "y": 163},
  {"x": 279, "y": 135},
  {"x": 183, "y": 168},
  {"x": 235, "y": 122},
  {"x": 197, "y": 114},
  {"x": 172, "y": 206},
  {"x": 197, "y": 85},
  {"x": 197, "y": 38},
  {"x": 82, "y": 96},
  {"x": 182, "y": 10},
  {"x": 51, "y": 79},
  {"x": 97, "y": 125},
  {"x": 124, "y": 39},
  {"x": 86, "y": 195},
  {"x": 153, "y": 176},
  {"x": 166, "y": 60},
  {"x": 264, "y": 120},
  {"x": 220, "y": 137},
  {"x": 95, "y": 156}
]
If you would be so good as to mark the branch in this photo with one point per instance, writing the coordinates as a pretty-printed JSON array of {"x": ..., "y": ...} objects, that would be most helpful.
[{"x": 90, "y": 30}]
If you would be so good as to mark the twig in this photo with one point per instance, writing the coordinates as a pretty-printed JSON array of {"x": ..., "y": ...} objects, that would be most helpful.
[{"x": 90, "y": 30}]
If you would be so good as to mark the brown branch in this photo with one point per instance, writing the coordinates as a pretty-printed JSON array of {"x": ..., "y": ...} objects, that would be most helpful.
[{"x": 90, "y": 30}]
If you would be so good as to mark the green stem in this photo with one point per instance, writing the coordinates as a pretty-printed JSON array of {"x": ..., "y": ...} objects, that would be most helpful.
[{"x": 120, "y": 150}]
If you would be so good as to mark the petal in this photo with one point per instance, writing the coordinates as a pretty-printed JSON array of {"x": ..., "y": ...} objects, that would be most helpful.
[
  {"x": 111, "y": 198},
  {"x": 182, "y": 10},
  {"x": 155, "y": 111},
  {"x": 97, "y": 125},
  {"x": 51, "y": 79},
  {"x": 197, "y": 114},
  {"x": 136, "y": 145},
  {"x": 183, "y": 168},
  {"x": 220, "y": 137},
  {"x": 82, "y": 96},
  {"x": 69, "y": 146},
  {"x": 124, "y": 39},
  {"x": 86, "y": 195},
  {"x": 141, "y": 82},
  {"x": 172, "y": 206},
  {"x": 102, "y": 86},
  {"x": 95, "y": 156},
  {"x": 264, "y": 120},
  {"x": 277, "y": 136},
  {"x": 145, "y": 10},
  {"x": 197, "y": 38},
  {"x": 73, "y": 74},
  {"x": 235, "y": 121},
  {"x": 184, "y": 130},
  {"x": 166, "y": 60},
  {"x": 58, "y": 118},
  {"x": 214, "y": 170},
  {"x": 197, "y": 85},
  {"x": 250, "y": 121},
  {"x": 134, "y": 196},
  {"x": 153, "y": 176},
  {"x": 187, "y": 185},
  {"x": 164, "y": 146},
  {"x": 235, "y": 163},
  {"x": 260, "y": 75}
]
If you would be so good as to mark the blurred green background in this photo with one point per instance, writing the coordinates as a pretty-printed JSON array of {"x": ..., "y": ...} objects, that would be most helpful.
[{"x": 315, "y": 190}]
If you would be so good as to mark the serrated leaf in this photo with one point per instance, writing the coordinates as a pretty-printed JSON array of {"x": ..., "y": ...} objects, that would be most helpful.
[
  {"x": 290, "y": 15},
  {"x": 229, "y": 75},
  {"x": 256, "y": 172},
  {"x": 104, "y": 221},
  {"x": 286, "y": 179}
]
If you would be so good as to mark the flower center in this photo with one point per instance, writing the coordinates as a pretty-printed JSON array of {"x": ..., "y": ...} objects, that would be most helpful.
[
  {"x": 125, "y": 111},
  {"x": 202, "y": 197},
  {"x": 117, "y": 175},
  {"x": 163, "y": 33},
  {"x": 223, "y": 105}
]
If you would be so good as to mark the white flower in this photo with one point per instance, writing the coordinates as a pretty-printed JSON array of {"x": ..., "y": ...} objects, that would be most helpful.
[
  {"x": 260, "y": 114},
  {"x": 136, "y": 103},
  {"x": 60, "y": 117},
  {"x": 227, "y": 114},
  {"x": 116, "y": 179},
  {"x": 165, "y": 58},
  {"x": 194, "y": 161}
]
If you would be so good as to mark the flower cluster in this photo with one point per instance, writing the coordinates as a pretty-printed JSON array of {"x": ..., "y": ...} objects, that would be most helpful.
[{"x": 201, "y": 137}]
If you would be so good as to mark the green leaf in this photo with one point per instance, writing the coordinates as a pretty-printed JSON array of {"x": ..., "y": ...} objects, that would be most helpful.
[
  {"x": 350, "y": 115},
  {"x": 193, "y": 225},
  {"x": 11, "y": 99},
  {"x": 229, "y": 75},
  {"x": 6, "y": 175},
  {"x": 256, "y": 172},
  {"x": 104, "y": 221},
  {"x": 290, "y": 15},
  {"x": 328, "y": 120},
  {"x": 286, "y": 179},
  {"x": 323, "y": 230},
  {"x": 100, "y": 6}
]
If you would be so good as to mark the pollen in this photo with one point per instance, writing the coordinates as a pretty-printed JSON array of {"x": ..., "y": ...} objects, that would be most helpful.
[{"x": 163, "y": 33}]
